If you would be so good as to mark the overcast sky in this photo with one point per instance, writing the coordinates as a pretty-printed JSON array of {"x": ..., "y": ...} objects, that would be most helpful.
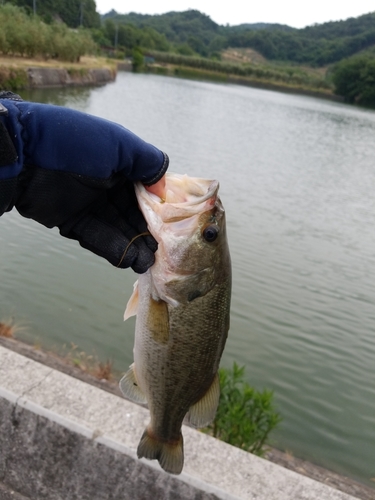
[{"x": 295, "y": 13}]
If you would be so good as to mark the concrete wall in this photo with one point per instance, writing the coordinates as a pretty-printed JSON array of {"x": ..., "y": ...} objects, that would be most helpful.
[{"x": 62, "y": 439}]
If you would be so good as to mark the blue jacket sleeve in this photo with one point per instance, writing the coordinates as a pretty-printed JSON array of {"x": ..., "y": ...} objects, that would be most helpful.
[{"x": 56, "y": 138}]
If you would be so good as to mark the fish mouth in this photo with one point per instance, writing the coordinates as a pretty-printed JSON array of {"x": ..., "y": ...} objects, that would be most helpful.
[
  {"x": 185, "y": 199},
  {"x": 196, "y": 198},
  {"x": 181, "y": 190}
]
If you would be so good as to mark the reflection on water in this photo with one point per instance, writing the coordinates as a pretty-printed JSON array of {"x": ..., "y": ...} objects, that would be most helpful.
[
  {"x": 297, "y": 181},
  {"x": 74, "y": 97}
]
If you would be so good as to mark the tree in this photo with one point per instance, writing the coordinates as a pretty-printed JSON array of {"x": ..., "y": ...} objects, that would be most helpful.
[
  {"x": 138, "y": 59},
  {"x": 354, "y": 79},
  {"x": 71, "y": 12}
]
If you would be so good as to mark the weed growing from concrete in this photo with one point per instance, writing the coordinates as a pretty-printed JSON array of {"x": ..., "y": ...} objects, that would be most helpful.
[
  {"x": 89, "y": 363},
  {"x": 8, "y": 328}
]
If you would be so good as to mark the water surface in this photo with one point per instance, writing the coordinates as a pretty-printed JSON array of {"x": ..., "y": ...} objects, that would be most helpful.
[{"x": 297, "y": 181}]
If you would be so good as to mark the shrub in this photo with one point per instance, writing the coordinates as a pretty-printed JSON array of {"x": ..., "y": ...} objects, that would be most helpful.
[{"x": 13, "y": 78}]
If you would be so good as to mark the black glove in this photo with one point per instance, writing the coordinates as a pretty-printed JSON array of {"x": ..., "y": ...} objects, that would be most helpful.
[{"x": 77, "y": 172}]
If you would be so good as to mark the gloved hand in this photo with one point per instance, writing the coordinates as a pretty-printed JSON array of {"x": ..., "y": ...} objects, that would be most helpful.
[{"x": 68, "y": 169}]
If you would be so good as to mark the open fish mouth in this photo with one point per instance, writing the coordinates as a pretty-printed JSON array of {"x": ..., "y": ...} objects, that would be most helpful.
[
  {"x": 181, "y": 189},
  {"x": 184, "y": 197}
]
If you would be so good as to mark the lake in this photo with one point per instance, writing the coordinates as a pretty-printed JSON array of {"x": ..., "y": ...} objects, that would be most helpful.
[{"x": 297, "y": 180}]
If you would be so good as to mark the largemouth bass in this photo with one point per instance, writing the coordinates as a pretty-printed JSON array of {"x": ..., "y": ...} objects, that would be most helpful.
[{"x": 182, "y": 305}]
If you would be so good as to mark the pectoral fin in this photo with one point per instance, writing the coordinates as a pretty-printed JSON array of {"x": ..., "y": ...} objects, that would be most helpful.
[
  {"x": 158, "y": 321},
  {"x": 204, "y": 411},
  {"x": 132, "y": 305},
  {"x": 130, "y": 388}
]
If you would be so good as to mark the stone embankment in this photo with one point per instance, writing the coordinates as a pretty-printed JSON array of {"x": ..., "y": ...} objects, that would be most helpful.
[
  {"x": 18, "y": 73},
  {"x": 61, "y": 77},
  {"x": 61, "y": 438}
]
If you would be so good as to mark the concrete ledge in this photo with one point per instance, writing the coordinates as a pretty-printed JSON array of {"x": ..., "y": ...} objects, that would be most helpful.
[{"x": 61, "y": 438}]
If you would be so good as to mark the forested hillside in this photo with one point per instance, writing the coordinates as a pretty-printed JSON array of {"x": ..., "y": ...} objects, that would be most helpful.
[
  {"x": 193, "y": 33},
  {"x": 344, "y": 49},
  {"x": 73, "y": 13},
  {"x": 316, "y": 45},
  {"x": 189, "y": 32}
]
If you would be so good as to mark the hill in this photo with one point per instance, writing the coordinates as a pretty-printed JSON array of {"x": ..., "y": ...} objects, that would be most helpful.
[
  {"x": 265, "y": 52},
  {"x": 346, "y": 47},
  {"x": 260, "y": 26},
  {"x": 317, "y": 45},
  {"x": 190, "y": 29},
  {"x": 193, "y": 33}
]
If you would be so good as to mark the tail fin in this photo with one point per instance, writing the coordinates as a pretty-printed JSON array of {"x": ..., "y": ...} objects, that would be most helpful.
[{"x": 169, "y": 455}]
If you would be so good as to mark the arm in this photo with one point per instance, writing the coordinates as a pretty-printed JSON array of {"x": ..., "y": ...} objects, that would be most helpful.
[{"x": 75, "y": 171}]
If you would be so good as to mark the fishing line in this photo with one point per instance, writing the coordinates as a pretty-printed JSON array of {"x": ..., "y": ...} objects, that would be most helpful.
[{"x": 128, "y": 245}]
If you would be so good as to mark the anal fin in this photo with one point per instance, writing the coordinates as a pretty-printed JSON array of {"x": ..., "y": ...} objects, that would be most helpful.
[
  {"x": 203, "y": 412},
  {"x": 130, "y": 388}
]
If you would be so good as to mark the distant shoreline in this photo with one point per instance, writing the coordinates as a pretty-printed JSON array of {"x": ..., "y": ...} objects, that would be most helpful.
[
  {"x": 21, "y": 73},
  {"x": 211, "y": 76}
]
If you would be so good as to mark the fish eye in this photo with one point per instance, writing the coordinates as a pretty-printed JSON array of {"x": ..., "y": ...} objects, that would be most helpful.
[{"x": 210, "y": 233}]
